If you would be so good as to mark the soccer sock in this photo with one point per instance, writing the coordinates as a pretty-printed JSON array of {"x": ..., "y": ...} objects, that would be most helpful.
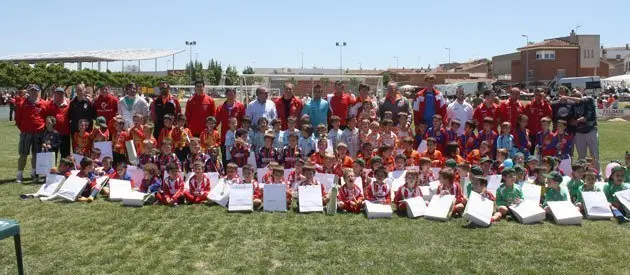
[{"x": 19, "y": 173}]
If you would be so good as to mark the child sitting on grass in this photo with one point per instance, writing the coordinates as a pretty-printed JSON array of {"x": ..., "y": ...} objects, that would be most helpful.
[
  {"x": 507, "y": 194},
  {"x": 448, "y": 186},
  {"x": 409, "y": 190},
  {"x": 248, "y": 178},
  {"x": 151, "y": 182},
  {"x": 350, "y": 197},
  {"x": 588, "y": 186},
  {"x": 172, "y": 188},
  {"x": 554, "y": 191},
  {"x": 199, "y": 185},
  {"x": 378, "y": 191}
]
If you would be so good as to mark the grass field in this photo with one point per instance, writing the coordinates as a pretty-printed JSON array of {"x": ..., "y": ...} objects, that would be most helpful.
[{"x": 103, "y": 237}]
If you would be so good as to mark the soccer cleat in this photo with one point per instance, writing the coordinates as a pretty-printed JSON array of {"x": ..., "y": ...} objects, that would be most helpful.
[
  {"x": 19, "y": 178},
  {"x": 82, "y": 199},
  {"x": 90, "y": 199}
]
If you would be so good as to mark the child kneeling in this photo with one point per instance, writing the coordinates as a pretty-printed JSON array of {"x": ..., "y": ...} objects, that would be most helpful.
[
  {"x": 350, "y": 197},
  {"x": 198, "y": 186}
]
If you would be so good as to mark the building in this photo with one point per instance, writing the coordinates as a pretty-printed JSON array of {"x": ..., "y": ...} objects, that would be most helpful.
[
  {"x": 502, "y": 65},
  {"x": 617, "y": 58},
  {"x": 570, "y": 56}
]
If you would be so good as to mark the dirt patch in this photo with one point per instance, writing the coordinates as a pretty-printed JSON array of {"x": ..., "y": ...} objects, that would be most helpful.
[{"x": 617, "y": 119}]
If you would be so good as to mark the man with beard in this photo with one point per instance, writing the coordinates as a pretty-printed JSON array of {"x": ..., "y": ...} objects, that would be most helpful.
[
  {"x": 460, "y": 110},
  {"x": 163, "y": 105}
]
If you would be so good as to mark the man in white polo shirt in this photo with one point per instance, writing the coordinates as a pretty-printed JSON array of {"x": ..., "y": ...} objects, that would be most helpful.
[
  {"x": 261, "y": 107},
  {"x": 460, "y": 110}
]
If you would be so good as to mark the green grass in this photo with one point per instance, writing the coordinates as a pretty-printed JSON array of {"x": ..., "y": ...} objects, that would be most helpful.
[{"x": 103, "y": 237}]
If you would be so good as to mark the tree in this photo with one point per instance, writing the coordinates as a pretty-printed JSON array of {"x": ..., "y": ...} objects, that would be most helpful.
[
  {"x": 231, "y": 76},
  {"x": 386, "y": 78},
  {"x": 251, "y": 80},
  {"x": 325, "y": 82},
  {"x": 354, "y": 84},
  {"x": 248, "y": 70},
  {"x": 215, "y": 72},
  {"x": 132, "y": 68}
]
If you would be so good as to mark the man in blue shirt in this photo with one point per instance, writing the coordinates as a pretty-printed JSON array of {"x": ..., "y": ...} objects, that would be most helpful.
[{"x": 317, "y": 109}]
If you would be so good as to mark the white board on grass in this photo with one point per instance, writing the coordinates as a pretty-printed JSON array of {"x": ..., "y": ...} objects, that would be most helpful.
[
  {"x": 623, "y": 197},
  {"x": 214, "y": 179},
  {"x": 132, "y": 154},
  {"x": 440, "y": 207},
  {"x": 137, "y": 175},
  {"x": 416, "y": 207},
  {"x": 479, "y": 210},
  {"x": 51, "y": 185},
  {"x": 72, "y": 188},
  {"x": 531, "y": 192},
  {"x": 565, "y": 181},
  {"x": 494, "y": 181},
  {"x": 260, "y": 173},
  {"x": 565, "y": 213},
  {"x": 275, "y": 198},
  {"x": 220, "y": 193},
  {"x": 596, "y": 206},
  {"x": 187, "y": 178},
  {"x": 106, "y": 149},
  {"x": 310, "y": 198},
  {"x": 241, "y": 198},
  {"x": 426, "y": 192},
  {"x": 325, "y": 179},
  {"x": 397, "y": 180},
  {"x": 377, "y": 210},
  {"x": 118, "y": 189},
  {"x": 528, "y": 212},
  {"x": 565, "y": 166},
  {"x": 44, "y": 163},
  {"x": 134, "y": 198}
]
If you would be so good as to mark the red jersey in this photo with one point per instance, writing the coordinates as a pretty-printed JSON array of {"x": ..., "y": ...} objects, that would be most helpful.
[
  {"x": 107, "y": 107},
  {"x": 482, "y": 111},
  {"x": 413, "y": 157},
  {"x": 29, "y": 116},
  {"x": 509, "y": 111},
  {"x": 340, "y": 104},
  {"x": 198, "y": 108},
  {"x": 210, "y": 140},
  {"x": 136, "y": 134},
  {"x": 81, "y": 143},
  {"x": 225, "y": 112},
  {"x": 165, "y": 133},
  {"x": 181, "y": 137},
  {"x": 455, "y": 190},
  {"x": 294, "y": 108},
  {"x": 349, "y": 195},
  {"x": 60, "y": 112},
  {"x": 378, "y": 193},
  {"x": 536, "y": 110},
  {"x": 239, "y": 154},
  {"x": 436, "y": 157},
  {"x": 199, "y": 187},
  {"x": 172, "y": 187},
  {"x": 289, "y": 156},
  {"x": 118, "y": 142},
  {"x": 99, "y": 134},
  {"x": 404, "y": 193}
]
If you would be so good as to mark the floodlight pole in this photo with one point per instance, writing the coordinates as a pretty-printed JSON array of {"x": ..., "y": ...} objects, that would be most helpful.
[
  {"x": 526, "y": 58},
  {"x": 190, "y": 44},
  {"x": 341, "y": 45}
]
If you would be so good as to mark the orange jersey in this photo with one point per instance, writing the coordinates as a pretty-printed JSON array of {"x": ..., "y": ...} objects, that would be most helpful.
[
  {"x": 99, "y": 134},
  {"x": 181, "y": 137},
  {"x": 210, "y": 140},
  {"x": 118, "y": 142},
  {"x": 388, "y": 162},
  {"x": 475, "y": 156},
  {"x": 136, "y": 134},
  {"x": 347, "y": 162},
  {"x": 435, "y": 157},
  {"x": 317, "y": 159},
  {"x": 164, "y": 134},
  {"x": 413, "y": 157},
  {"x": 82, "y": 143}
]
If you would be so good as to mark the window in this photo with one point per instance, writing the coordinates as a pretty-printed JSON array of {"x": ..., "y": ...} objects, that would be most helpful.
[
  {"x": 545, "y": 55},
  {"x": 530, "y": 75},
  {"x": 618, "y": 56}
]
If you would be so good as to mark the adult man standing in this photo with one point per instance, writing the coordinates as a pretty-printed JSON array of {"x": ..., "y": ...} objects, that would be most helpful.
[
  {"x": 460, "y": 110},
  {"x": 536, "y": 110},
  {"x": 198, "y": 108},
  {"x": 394, "y": 103},
  {"x": 340, "y": 103},
  {"x": 132, "y": 104},
  {"x": 428, "y": 102},
  {"x": 81, "y": 107},
  {"x": 585, "y": 127},
  {"x": 486, "y": 109},
  {"x": 31, "y": 122},
  {"x": 510, "y": 109},
  {"x": 364, "y": 94},
  {"x": 58, "y": 107},
  {"x": 288, "y": 105},
  {"x": 261, "y": 107},
  {"x": 230, "y": 108},
  {"x": 163, "y": 105},
  {"x": 317, "y": 109},
  {"x": 106, "y": 104}
]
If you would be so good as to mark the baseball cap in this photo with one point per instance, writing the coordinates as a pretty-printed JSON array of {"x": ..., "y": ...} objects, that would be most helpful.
[
  {"x": 450, "y": 163},
  {"x": 476, "y": 170},
  {"x": 518, "y": 169},
  {"x": 486, "y": 159},
  {"x": 101, "y": 122},
  {"x": 532, "y": 158},
  {"x": 59, "y": 90},
  {"x": 342, "y": 144},
  {"x": 618, "y": 169},
  {"x": 34, "y": 87},
  {"x": 554, "y": 175},
  {"x": 507, "y": 171},
  {"x": 360, "y": 162},
  {"x": 508, "y": 163}
]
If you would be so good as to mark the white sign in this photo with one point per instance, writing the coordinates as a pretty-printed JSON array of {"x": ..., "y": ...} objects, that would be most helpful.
[
  {"x": 528, "y": 212},
  {"x": 310, "y": 198},
  {"x": 565, "y": 213},
  {"x": 325, "y": 179},
  {"x": 596, "y": 206},
  {"x": 440, "y": 207},
  {"x": 134, "y": 198},
  {"x": 531, "y": 192},
  {"x": 275, "y": 198},
  {"x": 494, "y": 181},
  {"x": 77, "y": 160},
  {"x": 118, "y": 189},
  {"x": 479, "y": 210},
  {"x": 416, "y": 207},
  {"x": 623, "y": 197},
  {"x": 422, "y": 146},
  {"x": 137, "y": 175},
  {"x": 377, "y": 210},
  {"x": 214, "y": 179},
  {"x": 52, "y": 184},
  {"x": 44, "y": 163},
  {"x": 220, "y": 193},
  {"x": 132, "y": 154},
  {"x": 260, "y": 173},
  {"x": 241, "y": 198},
  {"x": 72, "y": 188},
  {"x": 106, "y": 149},
  {"x": 565, "y": 166}
]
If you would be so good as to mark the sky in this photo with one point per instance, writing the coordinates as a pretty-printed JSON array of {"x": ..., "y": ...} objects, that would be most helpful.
[{"x": 276, "y": 33}]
